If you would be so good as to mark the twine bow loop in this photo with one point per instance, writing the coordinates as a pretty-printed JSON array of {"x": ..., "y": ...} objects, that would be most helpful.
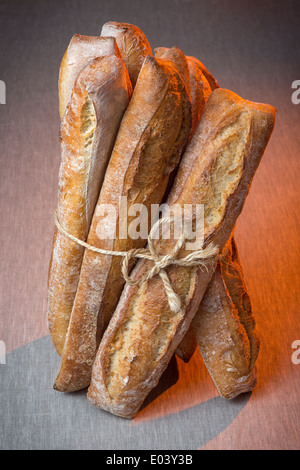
[{"x": 198, "y": 258}]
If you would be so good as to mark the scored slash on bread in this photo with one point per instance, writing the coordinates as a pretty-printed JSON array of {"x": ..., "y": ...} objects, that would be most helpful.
[
  {"x": 88, "y": 131},
  {"x": 81, "y": 51},
  {"x": 216, "y": 170},
  {"x": 179, "y": 61},
  {"x": 151, "y": 138},
  {"x": 209, "y": 77},
  {"x": 132, "y": 43}
]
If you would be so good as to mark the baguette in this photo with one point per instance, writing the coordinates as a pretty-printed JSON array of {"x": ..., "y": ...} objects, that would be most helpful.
[
  {"x": 200, "y": 91},
  {"x": 225, "y": 345},
  {"x": 223, "y": 327},
  {"x": 233, "y": 276},
  {"x": 216, "y": 170},
  {"x": 132, "y": 43},
  {"x": 88, "y": 130},
  {"x": 151, "y": 138},
  {"x": 81, "y": 51},
  {"x": 233, "y": 292}
]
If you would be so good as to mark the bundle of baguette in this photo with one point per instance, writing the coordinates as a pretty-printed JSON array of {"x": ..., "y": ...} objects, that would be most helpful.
[{"x": 151, "y": 128}]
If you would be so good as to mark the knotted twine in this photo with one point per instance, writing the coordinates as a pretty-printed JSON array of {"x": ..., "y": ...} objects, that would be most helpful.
[{"x": 197, "y": 258}]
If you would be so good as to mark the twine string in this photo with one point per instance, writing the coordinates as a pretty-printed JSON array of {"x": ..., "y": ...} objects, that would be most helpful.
[{"x": 197, "y": 258}]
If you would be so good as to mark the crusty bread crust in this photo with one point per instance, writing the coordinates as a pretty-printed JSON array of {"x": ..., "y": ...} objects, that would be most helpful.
[
  {"x": 232, "y": 273},
  {"x": 187, "y": 345},
  {"x": 224, "y": 328},
  {"x": 178, "y": 59},
  {"x": 216, "y": 170},
  {"x": 81, "y": 51},
  {"x": 207, "y": 74},
  {"x": 88, "y": 131},
  {"x": 132, "y": 43},
  {"x": 152, "y": 136},
  {"x": 200, "y": 90},
  {"x": 223, "y": 341},
  {"x": 234, "y": 288}
]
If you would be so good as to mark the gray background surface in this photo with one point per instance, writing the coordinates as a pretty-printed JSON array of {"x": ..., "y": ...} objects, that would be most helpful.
[{"x": 36, "y": 417}]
